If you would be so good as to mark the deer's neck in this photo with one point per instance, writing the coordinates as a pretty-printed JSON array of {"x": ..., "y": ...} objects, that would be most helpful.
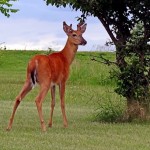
[{"x": 69, "y": 51}]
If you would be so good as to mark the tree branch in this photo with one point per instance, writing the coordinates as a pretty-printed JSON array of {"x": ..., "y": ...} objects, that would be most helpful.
[
  {"x": 103, "y": 60},
  {"x": 106, "y": 26}
]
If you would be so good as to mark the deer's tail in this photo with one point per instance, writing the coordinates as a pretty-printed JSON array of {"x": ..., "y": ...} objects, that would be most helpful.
[
  {"x": 33, "y": 76},
  {"x": 32, "y": 72}
]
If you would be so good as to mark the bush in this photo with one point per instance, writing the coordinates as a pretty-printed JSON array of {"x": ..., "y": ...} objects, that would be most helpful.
[{"x": 110, "y": 110}]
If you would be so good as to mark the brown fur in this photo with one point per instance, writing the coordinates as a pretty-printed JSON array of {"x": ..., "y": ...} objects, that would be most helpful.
[{"x": 49, "y": 71}]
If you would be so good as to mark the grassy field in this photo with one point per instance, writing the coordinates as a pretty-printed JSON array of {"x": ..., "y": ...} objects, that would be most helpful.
[{"x": 88, "y": 88}]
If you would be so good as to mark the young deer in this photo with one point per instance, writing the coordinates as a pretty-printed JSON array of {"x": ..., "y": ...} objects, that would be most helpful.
[{"x": 49, "y": 71}]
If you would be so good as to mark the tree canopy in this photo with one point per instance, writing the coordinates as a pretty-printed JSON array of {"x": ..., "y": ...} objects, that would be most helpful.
[
  {"x": 6, "y": 7},
  {"x": 118, "y": 16}
]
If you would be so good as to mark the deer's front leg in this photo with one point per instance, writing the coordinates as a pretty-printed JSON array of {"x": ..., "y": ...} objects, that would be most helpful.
[
  {"x": 62, "y": 99},
  {"x": 52, "y": 105}
]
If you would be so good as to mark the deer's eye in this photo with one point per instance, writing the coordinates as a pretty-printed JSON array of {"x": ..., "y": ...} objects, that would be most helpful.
[{"x": 74, "y": 35}]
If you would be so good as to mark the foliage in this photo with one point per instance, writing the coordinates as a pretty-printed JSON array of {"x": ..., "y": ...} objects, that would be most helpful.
[
  {"x": 6, "y": 7},
  {"x": 109, "y": 110},
  {"x": 134, "y": 80}
]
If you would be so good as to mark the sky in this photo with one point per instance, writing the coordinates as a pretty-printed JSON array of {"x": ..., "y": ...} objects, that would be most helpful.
[{"x": 37, "y": 26}]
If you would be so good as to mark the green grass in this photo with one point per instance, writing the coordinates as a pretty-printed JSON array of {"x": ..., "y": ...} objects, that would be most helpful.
[{"x": 88, "y": 86}]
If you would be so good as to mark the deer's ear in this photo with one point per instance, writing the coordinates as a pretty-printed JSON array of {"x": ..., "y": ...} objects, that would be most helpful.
[
  {"x": 83, "y": 28},
  {"x": 67, "y": 29}
]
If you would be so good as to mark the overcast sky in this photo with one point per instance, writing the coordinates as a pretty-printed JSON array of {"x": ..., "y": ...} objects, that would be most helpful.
[{"x": 37, "y": 26}]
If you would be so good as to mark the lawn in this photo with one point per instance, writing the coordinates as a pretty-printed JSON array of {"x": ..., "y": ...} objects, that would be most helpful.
[{"x": 88, "y": 87}]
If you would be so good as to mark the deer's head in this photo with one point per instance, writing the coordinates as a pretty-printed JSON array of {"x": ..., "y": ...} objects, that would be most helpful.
[{"x": 75, "y": 36}]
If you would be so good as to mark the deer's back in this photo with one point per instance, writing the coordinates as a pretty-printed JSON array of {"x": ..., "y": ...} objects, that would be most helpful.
[{"x": 49, "y": 68}]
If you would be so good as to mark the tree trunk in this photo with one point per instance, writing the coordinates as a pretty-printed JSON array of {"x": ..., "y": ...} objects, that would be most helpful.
[
  {"x": 136, "y": 110},
  {"x": 120, "y": 57}
]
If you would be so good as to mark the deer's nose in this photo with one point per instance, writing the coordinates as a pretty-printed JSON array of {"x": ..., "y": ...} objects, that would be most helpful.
[{"x": 84, "y": 42}]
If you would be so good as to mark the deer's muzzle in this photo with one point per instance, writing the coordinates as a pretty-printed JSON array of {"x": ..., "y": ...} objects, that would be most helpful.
[{"x": 83, "y": 42}]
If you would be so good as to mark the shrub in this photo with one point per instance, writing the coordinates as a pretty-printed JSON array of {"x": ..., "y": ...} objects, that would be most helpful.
[{"x": 110, "y": 110}]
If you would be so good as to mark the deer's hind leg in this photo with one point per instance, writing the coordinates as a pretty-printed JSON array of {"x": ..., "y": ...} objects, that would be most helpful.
[
  {"x": 39, "y": 100},
  {"x": 26, "y": 88}
]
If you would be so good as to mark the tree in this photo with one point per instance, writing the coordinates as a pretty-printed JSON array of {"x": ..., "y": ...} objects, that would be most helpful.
[
  {"x": 119, "y": 17},
  {"x": 133, "y": 80},
  {"x": 6, "y": 7}
]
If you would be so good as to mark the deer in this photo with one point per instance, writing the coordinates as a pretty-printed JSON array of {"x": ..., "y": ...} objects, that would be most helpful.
[{"x": 48, "y": 71}]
